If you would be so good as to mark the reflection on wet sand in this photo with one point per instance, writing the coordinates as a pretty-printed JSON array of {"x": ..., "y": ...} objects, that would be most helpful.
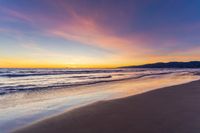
[{"x": 27, "y": 107}]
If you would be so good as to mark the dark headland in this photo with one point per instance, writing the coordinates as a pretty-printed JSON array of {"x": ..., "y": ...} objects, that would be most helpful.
[{"x": 191, "y": 64}]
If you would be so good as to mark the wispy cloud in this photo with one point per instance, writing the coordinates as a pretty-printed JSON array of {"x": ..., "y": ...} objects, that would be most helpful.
[
  {"x": 123, "y": 29},
  {"x": 15, "y": 15}
]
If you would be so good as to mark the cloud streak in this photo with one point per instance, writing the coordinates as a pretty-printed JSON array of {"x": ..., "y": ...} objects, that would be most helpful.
[{"x": 133, "y": 32}]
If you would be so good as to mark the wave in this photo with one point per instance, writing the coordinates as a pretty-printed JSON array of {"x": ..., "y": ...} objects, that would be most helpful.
[
  {"x": 101, "y": 77},
  {"x": 91, "y": 80},
  {"x": 24, "y": 73}
]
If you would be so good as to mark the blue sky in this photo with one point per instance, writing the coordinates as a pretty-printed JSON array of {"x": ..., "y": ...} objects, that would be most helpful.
[{"x": 97, "y": 33}]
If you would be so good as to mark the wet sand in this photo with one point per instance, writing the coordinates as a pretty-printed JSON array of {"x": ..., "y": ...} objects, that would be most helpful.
[{"x": 173, "y": 109}]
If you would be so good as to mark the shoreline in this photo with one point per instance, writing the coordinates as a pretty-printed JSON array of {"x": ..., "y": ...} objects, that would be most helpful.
[
  {"x": 87, "y": 84},
  {"x": 169, "y": 109},
  {"x": 34, "y": 107}
]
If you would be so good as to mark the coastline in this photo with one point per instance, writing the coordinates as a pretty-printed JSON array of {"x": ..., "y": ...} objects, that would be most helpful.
[{"x": 169, "y": 109}]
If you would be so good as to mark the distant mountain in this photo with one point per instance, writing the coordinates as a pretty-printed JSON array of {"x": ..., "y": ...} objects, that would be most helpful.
[{"x": 192, "y": 64}]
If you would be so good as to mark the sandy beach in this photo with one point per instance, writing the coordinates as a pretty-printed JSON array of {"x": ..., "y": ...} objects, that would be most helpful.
[
  {"x": 99, "y": 66},
  {"x": 168, "y": 110}
]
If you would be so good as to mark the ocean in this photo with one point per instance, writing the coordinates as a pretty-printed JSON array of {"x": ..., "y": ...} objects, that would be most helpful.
[
  {"x": 15, "y": 80},
  {"x": 28, "y": 95}
]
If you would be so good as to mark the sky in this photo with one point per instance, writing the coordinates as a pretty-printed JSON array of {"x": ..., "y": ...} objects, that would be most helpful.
[{"x": 97, "y": 33}]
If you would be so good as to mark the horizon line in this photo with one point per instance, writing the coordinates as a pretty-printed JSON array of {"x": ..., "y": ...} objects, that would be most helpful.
[{"x": 93, "y": 67}]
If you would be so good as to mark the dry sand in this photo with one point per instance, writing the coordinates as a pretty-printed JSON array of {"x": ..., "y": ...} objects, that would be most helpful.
[{"x": 173, "y": 109}]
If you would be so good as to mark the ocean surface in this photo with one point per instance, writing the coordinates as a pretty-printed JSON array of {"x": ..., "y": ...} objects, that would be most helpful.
[
  {"x": 29, "y": 95},
  {"x": 15, "y": 80}
]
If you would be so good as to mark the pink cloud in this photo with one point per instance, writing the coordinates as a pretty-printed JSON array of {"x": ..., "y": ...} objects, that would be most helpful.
[
  {"x": 86, "y": 30},
  {"x": 83, "y": 29},
  {"x": 14, "y": 14}
]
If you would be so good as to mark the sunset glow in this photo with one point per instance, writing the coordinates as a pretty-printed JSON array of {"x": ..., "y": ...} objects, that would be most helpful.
[{"x": 97, "y": 34}]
